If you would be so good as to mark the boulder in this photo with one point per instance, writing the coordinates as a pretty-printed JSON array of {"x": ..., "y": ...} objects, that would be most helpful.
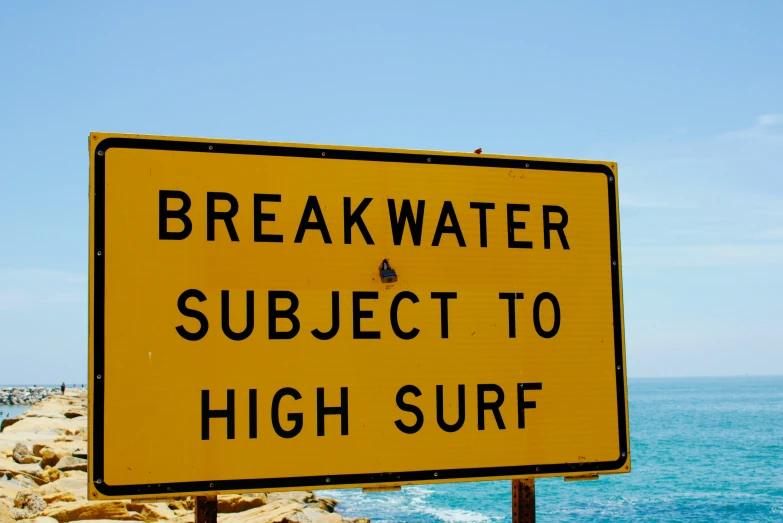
[
  {"x": 327, "y": 504},
  {"x": 316, "y": 515},
  {"x": 22, "y": 454},
  {"x": 69, "y": 463},
  {"x": 152, "y": 511},
  {"x": 275, "y": 512},
  {"x": 9, "y": 467},
  {"x": 60, "y": 497},
  {"x": 51, "y": 474},
  {"x": 89, "y": 510},
  {"x": 286, "y": 509},
  {"x": 49, "y": 458},
  {"x": 182, "y": 504},
  {"x": 38, "y": 448},
  {"x": 236, "y": 503},
  {"x": 31, "y": 503},
  {"x": 302, "y": 496},
  {"x": 76, "y": 486}
]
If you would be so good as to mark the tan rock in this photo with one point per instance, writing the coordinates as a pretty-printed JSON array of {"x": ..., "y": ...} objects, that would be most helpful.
[
  {"x": 236, "y": 503},
  {"x": 327, "y": 504},
  {"x": 76, "y": 486},
  {"x": 287, "y": 508},
  {"x": 27, "y": 480},
  {"x": 182, "y": 504},
  {"x": 60, "y": 497},
  {"x": 30, "y": 502},
  {"x": 38, "y": 448},
  {"x": 69, "y": 463},
  {"x": 281, "y": 511},
  {"x": 43, "y": 477},
  {"x": 53, "y": 474},
  {"x": 22, "y": 455},
  {"x": 9, "y": 467},
  {"x": 316, "y": 515},
  {"x": 44, "y": 519},
  {"x": 302, "y": 496},
  {"x": 152, "y": 511},
  {"x": 49, "y": 458},
  {"x": 6, "y": 515},
  {"x": 91, "y": 510},
  {"x": 8, "y": 490}
]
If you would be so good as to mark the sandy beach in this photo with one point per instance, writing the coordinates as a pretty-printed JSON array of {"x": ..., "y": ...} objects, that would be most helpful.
[{"x": 43, "y": 478}]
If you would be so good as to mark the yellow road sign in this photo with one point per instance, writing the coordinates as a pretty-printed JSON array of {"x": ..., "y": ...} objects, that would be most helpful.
[{"x": 275, "y": 316}]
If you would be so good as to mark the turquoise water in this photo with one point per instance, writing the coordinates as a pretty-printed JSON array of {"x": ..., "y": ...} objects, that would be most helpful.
[{"x": 703, "y": 449}]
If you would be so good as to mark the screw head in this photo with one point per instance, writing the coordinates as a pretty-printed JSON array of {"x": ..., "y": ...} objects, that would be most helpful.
[
  {"x": 623, "y": 454},
  {"x": 429, "y": 160},
  {"x": 614, "y": 262},
  {"x": 100, "y": 253},
  {"x": 527, "y": 165},
  {"x": 436, "y": 474},
  {"x": 611, "y": 178},
  {"x": 98, "y": 481},
  {"x": 100, "y": 153},
  {"x": 99, "y": 376},
  {"x": 328, "y": 480},
  {"x": 323, "y": 154},
  {"x": 211, "y": 485},
  {"x": 537, "y": 469},
  {"x": 210, "y": 147},
  {"x": 618, "y": 367}
]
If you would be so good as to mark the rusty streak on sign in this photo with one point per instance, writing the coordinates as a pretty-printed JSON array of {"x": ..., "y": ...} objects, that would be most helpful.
[{"x": 297, "y": 316}]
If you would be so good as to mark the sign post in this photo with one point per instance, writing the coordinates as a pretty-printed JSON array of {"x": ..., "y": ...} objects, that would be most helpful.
[
  {"x": 306, "y": 317},
  {"x": 523, "y": 500},
  {"x": 206, "y": 509}
]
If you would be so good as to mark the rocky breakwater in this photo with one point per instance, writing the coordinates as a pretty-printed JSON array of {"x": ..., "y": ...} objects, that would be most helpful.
[
  {"x": 25, "y": 395},
  {"x": 43, "y": 478}
]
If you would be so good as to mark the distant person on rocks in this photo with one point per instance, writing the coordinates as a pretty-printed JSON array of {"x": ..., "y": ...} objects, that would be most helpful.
[{"x": 62, "y": 387}]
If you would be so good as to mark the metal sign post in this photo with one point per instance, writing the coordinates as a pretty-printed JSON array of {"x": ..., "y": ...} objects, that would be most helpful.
[
  {"x": 206, "y": 509},
  {"x": 523, "y": 500}
]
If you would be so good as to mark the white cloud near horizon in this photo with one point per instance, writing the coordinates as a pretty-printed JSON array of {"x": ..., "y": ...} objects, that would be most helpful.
[{"x": 766, "y": 120}]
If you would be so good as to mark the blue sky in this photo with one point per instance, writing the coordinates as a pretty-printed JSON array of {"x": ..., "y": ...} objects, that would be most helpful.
[{"x": 686, "y": 97}]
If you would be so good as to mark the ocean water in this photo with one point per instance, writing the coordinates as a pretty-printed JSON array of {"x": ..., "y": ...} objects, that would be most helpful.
[
  {"x": 12, "y": 411},
  {"x": 703, "y": 449}
]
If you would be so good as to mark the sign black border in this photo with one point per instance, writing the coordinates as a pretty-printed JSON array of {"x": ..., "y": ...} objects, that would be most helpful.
[{"x": 326, "y": 153}]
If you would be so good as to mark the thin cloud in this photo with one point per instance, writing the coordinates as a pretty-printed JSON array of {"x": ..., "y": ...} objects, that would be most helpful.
[
  {"x": 766, "y": 127},
  {"x": 769, "y": 234},
  {"x": 769, "y": 120}
]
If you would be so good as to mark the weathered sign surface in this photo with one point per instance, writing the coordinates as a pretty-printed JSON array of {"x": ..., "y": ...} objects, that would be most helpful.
[{"x": 275, "y": 316}]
